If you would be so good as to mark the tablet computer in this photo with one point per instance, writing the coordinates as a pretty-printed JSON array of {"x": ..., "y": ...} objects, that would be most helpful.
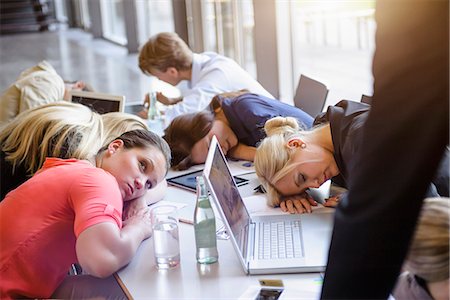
[{"x": 188, "y": 181}]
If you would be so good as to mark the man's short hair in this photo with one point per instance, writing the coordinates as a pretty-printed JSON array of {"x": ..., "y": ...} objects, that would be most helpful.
[{"x": 165, "y": 50}]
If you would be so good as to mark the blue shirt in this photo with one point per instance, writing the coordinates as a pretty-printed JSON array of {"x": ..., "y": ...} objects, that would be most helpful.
[{"x": 248, "y": 113}]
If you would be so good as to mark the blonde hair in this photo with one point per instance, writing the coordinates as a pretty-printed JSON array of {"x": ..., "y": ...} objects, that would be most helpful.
[
  {"x": 59, "y": 129},
  {"x": 117, "y": 123},
  {"x": 429, "y": 252},
  {"x": 165, "y": 50},
  {"x": 273, "y": 156}
]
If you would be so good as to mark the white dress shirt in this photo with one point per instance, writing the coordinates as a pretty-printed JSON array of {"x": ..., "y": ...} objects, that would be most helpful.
[{"x": 212, "y": 74}]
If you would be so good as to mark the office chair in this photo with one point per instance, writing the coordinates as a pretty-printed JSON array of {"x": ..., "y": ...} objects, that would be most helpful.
[
  {"x": 366, "y": 99},
  {"x": 310, "y": 95}
]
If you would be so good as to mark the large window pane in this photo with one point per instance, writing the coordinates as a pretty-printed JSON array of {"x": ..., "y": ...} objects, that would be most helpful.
[
  {"x": 153, "y": 16},
  {"x": 61, "y": 10},
  {"x": 228, "y": 30},
  {"x": 113, "y": 21},
  {"x": 85, "y": 17},
  {"x": 333, "y": 42}
]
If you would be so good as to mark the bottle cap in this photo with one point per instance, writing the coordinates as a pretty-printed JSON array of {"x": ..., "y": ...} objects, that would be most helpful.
[{"x": 200, "y": 179}]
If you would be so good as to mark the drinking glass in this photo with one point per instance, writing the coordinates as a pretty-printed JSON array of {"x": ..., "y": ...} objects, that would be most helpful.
[{"x": 165, "y": 236}]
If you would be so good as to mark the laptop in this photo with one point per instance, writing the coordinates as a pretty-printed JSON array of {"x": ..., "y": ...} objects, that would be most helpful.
[
  {"x": 268, "y": 244},
  {"x": 98, "y": 102}
]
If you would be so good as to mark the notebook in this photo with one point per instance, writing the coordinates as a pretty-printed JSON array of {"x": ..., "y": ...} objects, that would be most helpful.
[
  {"x": 267, "y": 244},
  {"x": 98, "y": 102}
]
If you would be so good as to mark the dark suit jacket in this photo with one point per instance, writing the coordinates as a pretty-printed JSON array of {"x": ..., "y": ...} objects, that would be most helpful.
[{"x": 405, "y": 136}]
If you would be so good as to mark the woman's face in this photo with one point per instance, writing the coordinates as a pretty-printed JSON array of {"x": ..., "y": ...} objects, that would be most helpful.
[
  {"x": 136, "y": 170},
  {"x": 226, "y": 137},
  {"x": 313, "y": 166}
]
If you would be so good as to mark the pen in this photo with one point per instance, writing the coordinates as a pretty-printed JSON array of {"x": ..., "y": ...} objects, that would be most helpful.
[{"x": 185, "y": 221}]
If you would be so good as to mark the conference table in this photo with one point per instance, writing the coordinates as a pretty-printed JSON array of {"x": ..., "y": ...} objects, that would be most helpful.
[{"x": 226, "y": 279}]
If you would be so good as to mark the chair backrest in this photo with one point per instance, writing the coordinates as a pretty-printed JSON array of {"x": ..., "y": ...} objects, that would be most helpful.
[
  {"x": 366, "y": 99},
  {"x": 310, "y": 95}
]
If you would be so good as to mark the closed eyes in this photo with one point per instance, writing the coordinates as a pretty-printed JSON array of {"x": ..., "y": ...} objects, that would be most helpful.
[{"x": 299, "y": 179}]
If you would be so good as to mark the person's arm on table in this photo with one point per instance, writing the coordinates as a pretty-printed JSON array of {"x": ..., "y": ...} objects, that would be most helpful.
[
  {"x": 102, "y": 249},
  {"x": 242, "y": 151},
  {"x": 166, "y": 100}
]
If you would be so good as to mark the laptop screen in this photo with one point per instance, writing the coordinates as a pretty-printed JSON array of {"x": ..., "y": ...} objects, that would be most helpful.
[
  {"x": 227, "y": 195},
  {"x": 100, "y": 103}
]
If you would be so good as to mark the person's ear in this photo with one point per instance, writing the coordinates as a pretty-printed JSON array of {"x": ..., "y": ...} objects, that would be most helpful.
[
  {"x": 114, "y": 146},
  {"x": 172, "y": 71},
  {"x": 295, "y": 142}
]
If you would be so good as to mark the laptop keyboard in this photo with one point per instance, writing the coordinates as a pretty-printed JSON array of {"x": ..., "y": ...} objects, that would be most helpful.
[{"x": 280, "y": 240}]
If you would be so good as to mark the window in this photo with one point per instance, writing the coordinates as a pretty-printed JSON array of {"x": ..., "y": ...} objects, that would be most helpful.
[
  {"x": 85, "y": 17},
  {"x": 153, "y": 17},
  {"x": 61, "y": 10},
  {"x": 113, "y": 21},
  {"x": 227, "y": 27},
  {"x": 333, "y": 42}
]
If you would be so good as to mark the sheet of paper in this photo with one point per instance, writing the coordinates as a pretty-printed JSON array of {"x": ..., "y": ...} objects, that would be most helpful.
[
  {"x": 309, "y": 288},
  {"x": 256, "y": 206},
  {"x": 240, "y": 167},
  {"x": 178, "y": 205}
]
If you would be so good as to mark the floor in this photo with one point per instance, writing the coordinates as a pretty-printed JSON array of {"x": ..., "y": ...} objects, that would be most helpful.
[
  {"x": 76, "y": 56},
  {"x": 108, "y": 68}
]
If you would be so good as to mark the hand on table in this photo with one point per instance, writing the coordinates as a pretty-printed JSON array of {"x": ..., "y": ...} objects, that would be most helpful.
[
  {"x": 299, "y": 204},
  {"x": 133, "y": 207},
  {"x": 332, "y": 201}
]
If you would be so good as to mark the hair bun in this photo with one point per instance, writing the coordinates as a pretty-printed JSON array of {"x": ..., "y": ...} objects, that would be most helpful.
[{"x": 281, "y": 125}]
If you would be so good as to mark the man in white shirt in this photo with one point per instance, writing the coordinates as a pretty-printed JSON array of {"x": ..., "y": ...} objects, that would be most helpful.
[{"x": 167, "y": 57}]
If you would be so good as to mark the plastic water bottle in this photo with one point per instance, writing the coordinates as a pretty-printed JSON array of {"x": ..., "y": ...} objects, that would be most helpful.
[
  {"x": 153, "y": 113},
  {"x": 204, "y": 226}
]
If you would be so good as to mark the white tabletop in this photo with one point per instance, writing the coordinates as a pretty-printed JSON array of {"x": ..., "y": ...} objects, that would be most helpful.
[
  {"x": 190, "y": 280},
  {"x": 223, "y": 280}
]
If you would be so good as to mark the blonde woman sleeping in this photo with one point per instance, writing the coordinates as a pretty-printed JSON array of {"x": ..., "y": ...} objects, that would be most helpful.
[
  {"x": 290, "y": 161},
  {"x": 64, "y": 130}
]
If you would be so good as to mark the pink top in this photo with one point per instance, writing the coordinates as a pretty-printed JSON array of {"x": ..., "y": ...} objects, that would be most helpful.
[{"x": 41, "y": 219}]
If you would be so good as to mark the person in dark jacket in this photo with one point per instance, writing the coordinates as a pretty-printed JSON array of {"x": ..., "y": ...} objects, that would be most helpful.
[
  {"x": 236, "y": 118},
  {"x": 405, "y": 137}
]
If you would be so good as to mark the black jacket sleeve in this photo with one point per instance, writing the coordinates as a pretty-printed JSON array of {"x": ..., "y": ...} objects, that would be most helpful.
[{"x": 405, "y": 136}]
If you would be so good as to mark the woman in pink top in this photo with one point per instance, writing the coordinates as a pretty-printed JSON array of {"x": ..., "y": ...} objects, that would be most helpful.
[{"x": 71, "y": 211}]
